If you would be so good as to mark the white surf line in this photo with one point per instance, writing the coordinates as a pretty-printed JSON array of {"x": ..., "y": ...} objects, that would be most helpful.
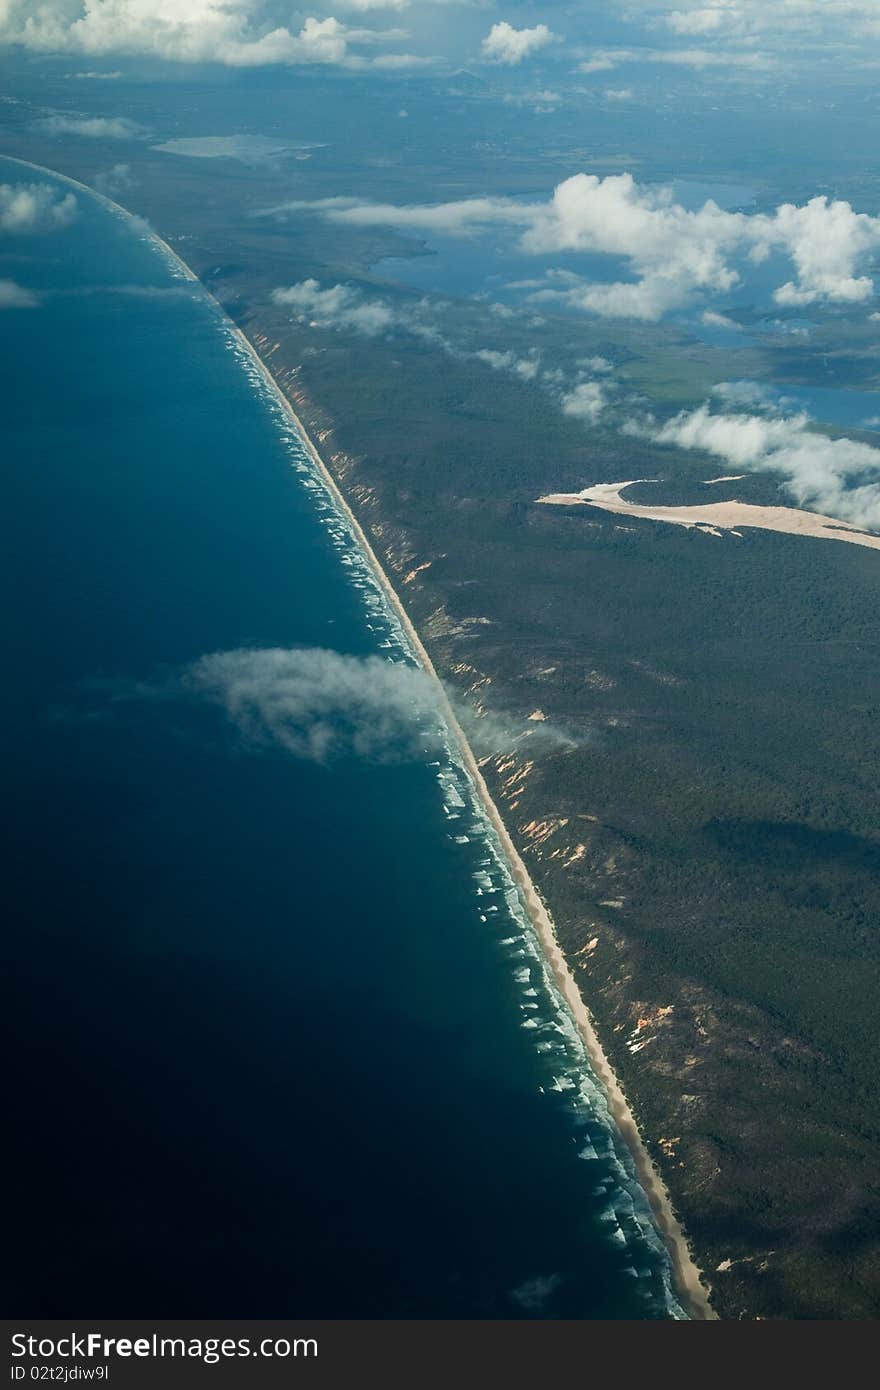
[
  {"x": 716, "y": 516},
  {"x": 686, "y": 1273},
  {"x": 688, "y": 1279}
]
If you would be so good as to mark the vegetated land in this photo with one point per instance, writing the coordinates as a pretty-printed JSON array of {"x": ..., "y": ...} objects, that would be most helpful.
[{"x": 699, "y": 802}]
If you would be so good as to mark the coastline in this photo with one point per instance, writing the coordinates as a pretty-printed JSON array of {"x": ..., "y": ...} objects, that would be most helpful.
[
  {"x": 687, "y": 1275},
  {"x": 689, "y": 1286}
]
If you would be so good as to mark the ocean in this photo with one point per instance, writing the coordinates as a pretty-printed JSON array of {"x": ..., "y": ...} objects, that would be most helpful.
[{"x": 284, "y": 1043}]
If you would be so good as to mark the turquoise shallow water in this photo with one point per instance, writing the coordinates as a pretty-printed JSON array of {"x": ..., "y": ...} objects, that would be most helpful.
[{"x": 286, "y": 1043}]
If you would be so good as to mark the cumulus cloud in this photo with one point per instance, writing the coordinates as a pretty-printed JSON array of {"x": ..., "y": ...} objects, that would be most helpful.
[
  {"x": 712, "y": 319},
  {"x": 707, "y": 19},
  {"x": 674, "y": 254},
  {"x": 15, "y": 296},
  {"x": 753, "y": 19},
  {"x": 504, "y": 44},
  {"x": 826, "y": 241},
  {"x": 318, "y": 704},
  {"x": 347, "y": 308},
  {"x": 839, "y": 477},
  {"x": 34, "y": 207},
  {"x": 602, "y": 60},
  {"x": 239, "y": 33},
  {"x": 585, "y": 401},
  {"x": 524, "y": 367},
  {"x": 92, "y": 127},
  {"x": 338, "y": 306}
]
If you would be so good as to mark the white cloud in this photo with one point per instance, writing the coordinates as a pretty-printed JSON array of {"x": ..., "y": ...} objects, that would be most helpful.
[
  {"x": 604, "y": 59},
  {"x": 675, "y": 254},
  {"x": 708, "y": 19},
  {"x": 239, "y": 33},
  {"x": 504, "y": 44},
  {"x": 92, "y": 127},
  {"x": 839, "y": 477},
  {"x": 586, "y": 401},
  {"x": 347, "y": 308},
  {"x": 849, "y": 19},
  {"x": 524, "y": 367},
  {"x": 34, "y": 207},
  {"x": 601, "y": 61},
  {"x": 455, "y": 219},
  {"x": 826, "y": 241},
  {"x": 319, "y": 704},
  {"x": 715, "y": 320},
  {"x": 618, "y": 93},
  {"x": 711, "y": 58},
  {"x": 339, "y": 306},
  {"x": 14, "y": 296},
  {"x": 672, "y": 251},
  {"x": 365, "y": 6},
  {"x": 752, "y": 394},
  {"x": 391, "y": 62},
  {"x": 792, "y": 29}
]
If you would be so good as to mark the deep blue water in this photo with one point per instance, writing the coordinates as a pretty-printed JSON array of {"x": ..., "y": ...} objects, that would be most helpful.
[{"x": 283, "y": 1043}]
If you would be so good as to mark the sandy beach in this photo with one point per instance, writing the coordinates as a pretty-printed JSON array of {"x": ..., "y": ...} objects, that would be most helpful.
[
  {"x": 716, "y": 517},
  {"x": 690, "y": 1287}
]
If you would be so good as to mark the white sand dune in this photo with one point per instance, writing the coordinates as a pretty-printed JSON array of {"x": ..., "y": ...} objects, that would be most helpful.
[{"x": 717, "y": 517}]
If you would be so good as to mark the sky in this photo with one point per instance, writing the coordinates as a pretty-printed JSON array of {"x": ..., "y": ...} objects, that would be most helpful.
[
  {"x": 571, "y": 39},
  {"x": 665, "y": 258}
]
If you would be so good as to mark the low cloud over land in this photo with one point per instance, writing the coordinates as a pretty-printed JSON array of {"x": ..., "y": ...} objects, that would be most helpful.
[
  {"x": 92, "y": 127},
  {"x": 505, "y": 44},
  {"x": 676, "y": 256},
  {"x": 337, "y": 306},
  {"x": 839, "y": 477}
]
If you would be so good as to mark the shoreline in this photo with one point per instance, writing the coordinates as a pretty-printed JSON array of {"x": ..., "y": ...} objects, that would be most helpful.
[
  {"x": 689, "y": 1286},
  {"x": 686, "y": 1274}
]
